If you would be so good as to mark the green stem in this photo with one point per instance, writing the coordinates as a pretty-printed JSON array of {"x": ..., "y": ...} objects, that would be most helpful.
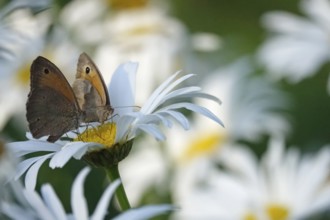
[{"x": 113, "y": 174}]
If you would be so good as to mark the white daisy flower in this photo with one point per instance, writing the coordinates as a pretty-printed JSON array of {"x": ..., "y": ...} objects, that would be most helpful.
[
  {"x": 284, "y": 185},
  {"x": 114, "y": 139},
  {"x": 300, "y": 45},
  {"x": 48, "y": 205}
]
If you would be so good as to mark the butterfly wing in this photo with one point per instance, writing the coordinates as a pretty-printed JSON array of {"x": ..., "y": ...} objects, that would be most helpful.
[
  {"x": 52, "y": 108},
  {"x": 91, "y": 91}
]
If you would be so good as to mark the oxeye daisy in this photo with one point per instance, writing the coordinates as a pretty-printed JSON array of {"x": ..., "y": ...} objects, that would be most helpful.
[
  {"x": 47, "y": 205},
  {"x": 106, "y": 144}
]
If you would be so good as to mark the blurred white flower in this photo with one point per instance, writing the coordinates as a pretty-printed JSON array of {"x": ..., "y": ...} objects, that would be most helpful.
[
  {"x": 161, "y": 108},
  {"x": 284, "y": 185},
  {"x": 254, "y": 105},
  {"x": 300, "y": 45},
  {"x": 147, "y": 36},
  {"x": 20, "y": 36},
  {"x": 48, "y": 205},
  {"x": 144, "y": 34}
]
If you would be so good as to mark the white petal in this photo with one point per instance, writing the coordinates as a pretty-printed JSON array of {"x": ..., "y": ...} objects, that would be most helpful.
[
  {"x": 14, "y": 211},
  {"x": 25, "y": 147},
  {"x": 123, "y": 126},
  {"x": 73, "y": 149},
  {"x": 181, "y": 92},
  {"x": 122, "y": 88},
  {"x": 152, "y": 130},
  {"x": 78, "y": 201},
  {"x": 53, "y": 202},
  {"x": 194, "y": 108},
  {"x": 159, "y": 99},
  {"x": 102, "y": 205},
  {"x": 36, "y": 202},
  {"x": 159, "y": 89},
  {"x": 31, "y": 175},
  {"x": 195, "y": 95},
  {"x": 179, "y": 117},
  {"x": 145, "y": 212},
  {"x": 25, "y": 165}
]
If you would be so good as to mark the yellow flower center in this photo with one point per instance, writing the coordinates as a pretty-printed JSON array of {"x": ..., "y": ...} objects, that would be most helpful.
[
  {"x": 23, "y": 75},
  {"x": 277, "y": 211},
  {"x": 127, "y": 4},
  {"x": 104, "y": 134},
  {"x": 204, "y": 145},
  {"x": 273, "y": 211}
]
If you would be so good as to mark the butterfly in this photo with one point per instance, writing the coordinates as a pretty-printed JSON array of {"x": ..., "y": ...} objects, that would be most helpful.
[{"x": 54, "y": 107}]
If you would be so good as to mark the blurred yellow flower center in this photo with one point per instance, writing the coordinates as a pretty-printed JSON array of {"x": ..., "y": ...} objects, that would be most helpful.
[
  {"x": 127, "y": 4},
  {"x": 203, "y": 145},
  {"x": 23, "y": 75},
  {"x": 277, "y": 211},
  {"x": 104, "y": 134},
  {"x": 273, "y": 211},
  {"x": 142, "y": 30},
  {"x": 249, "y": 216}
]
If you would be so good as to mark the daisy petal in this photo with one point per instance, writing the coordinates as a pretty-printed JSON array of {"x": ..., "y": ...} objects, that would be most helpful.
[
  {"x": 22, "y": 148},
  {"x": 31, "y": 175},
  {"x": 159, "y": 99},
  {"x": 102, "y": 205},
  {"x": 194, "y": 108},
  {"x": 181, "y": 92},
  {"x": 123, "y": 96},
  {"x": 152, "y": 130},
  {"x": 13, "y": 211},
  {"x": 179, "y": 117},
  {"x": 123, "y": 126},
  {"x": 145, "y": 212},
  {"x": 158, "y": 91},
  {"x": 78, "y": 201},
  {"x": 52, "y": 201},
  {"x": 74, "y": 149},
  {"x": 23, "y": 166},
  {"x": 36, "y": 202}
]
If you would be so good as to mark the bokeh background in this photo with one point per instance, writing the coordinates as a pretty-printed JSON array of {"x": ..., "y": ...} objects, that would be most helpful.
[{"x": 268, "y": 61}]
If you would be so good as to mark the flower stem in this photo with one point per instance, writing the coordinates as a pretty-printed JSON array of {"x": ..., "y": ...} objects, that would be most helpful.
[{"x": 113, "y": 174}]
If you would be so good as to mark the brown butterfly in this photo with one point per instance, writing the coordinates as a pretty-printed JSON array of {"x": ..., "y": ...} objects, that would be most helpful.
[
  {"x": 91, "y": 91},
  {"x": 53, "y": 108}
]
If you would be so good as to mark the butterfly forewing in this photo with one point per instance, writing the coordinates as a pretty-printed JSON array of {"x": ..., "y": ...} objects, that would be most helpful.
[{"x": 52, "y": 108}]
